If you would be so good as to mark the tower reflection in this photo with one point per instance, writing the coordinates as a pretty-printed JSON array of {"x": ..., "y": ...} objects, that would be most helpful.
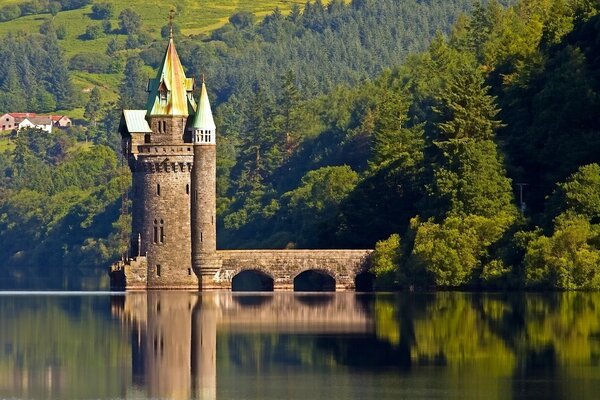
[{"x": 174, "y": 334}]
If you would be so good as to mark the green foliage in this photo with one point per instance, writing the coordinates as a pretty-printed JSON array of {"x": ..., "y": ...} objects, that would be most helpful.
[
  {"x": 451, "y": 254},
  {"x": 93, "y": 106},
  {"x": 93, "y": 32},
  {"x": 130, "y": 22},
  {"x": 103, "y": 11},
  {"x": 385, "y": 262},
  {"x": 567, "y": 259},
  {"x": 580, "y": 194}
]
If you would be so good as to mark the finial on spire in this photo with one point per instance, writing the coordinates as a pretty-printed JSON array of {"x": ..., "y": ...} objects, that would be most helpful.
[
  {"x": 171, "y": 18},
  {"x": 202, "y": 77}
]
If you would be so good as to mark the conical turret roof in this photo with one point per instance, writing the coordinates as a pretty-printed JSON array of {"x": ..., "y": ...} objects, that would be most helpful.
[
  {"x": 203, "y": 119},
  {"x": 170, "y": 93}
]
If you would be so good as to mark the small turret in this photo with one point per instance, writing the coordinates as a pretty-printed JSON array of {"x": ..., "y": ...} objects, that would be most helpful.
[
  {"x": 204, "y": 177},
  {"x": 203, "y": 127}
]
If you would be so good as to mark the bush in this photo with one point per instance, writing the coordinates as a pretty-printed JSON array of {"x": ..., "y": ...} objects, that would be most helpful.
[
  {"x": 91, "y": 62},
  {"x": 565, "y": 260},
  {"x": 10, "y": 12},
  {"x": 93, "y": 32},
  {"x": 103, "y": 11},
  {"x": 386, "y": 262},
  {"x": 164, "y": 31},
  {"x": 61, "y": 32},
  {"x": 242, "y": 19},
  {"x": 130, "y": 22},
  {"x": 74, "y": 4}
]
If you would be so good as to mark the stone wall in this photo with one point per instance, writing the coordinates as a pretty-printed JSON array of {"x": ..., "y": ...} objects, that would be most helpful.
[{"x": 161, "y": 211}]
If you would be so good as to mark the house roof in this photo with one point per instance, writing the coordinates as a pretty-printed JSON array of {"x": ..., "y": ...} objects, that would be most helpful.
[
  {"x": 41, "y": 120},
  {"x": 135, "y": 121},
  {"x": 23, "y": 115}
]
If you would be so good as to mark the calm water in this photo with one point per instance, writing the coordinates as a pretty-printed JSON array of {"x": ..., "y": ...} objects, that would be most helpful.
[{"x": 285, "y": 346}]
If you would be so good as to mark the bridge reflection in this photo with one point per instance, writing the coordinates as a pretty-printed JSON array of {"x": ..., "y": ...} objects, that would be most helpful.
[{"x": 174, "y": 339}]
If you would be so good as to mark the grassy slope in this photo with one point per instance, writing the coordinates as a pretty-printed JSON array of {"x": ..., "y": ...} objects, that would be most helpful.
[{"x": 193, "y": 16}]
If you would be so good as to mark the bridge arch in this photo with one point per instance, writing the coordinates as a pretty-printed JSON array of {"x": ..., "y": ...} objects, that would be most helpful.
[
  {"x": 252, "y": 280},
  {"x": 314, "y": 280}
]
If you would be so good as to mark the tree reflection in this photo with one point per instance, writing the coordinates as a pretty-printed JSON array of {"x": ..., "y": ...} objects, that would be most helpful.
[{"x": 209, "y": 346}]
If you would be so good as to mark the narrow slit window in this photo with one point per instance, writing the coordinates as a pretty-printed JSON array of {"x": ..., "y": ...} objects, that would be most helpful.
[
  {"x": 158, "y": 189},
  {"x": 200, "y": 236},
  {"x": 187, "y": 189},
  {"x": 155, "y": 232},
  {"x": 158, "y": 271},
  {"x": 162, "y": 231}
]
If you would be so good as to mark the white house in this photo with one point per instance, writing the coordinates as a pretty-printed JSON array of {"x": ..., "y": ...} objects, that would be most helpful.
[{"x": 41, "y": 122}]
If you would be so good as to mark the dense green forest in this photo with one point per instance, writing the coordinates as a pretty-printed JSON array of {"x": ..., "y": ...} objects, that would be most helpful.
[{"x": 403, "y": 125}]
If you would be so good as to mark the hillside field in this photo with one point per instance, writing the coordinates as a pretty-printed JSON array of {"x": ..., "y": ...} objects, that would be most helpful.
[{"x": 193, "y": 17}]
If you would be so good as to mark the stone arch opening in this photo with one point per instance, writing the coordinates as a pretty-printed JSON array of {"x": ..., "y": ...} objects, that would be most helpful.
[
  {"x": 314, "y": 281},
  {"x": 365, "y": 282},
  {"x": 252, "y": 280}
]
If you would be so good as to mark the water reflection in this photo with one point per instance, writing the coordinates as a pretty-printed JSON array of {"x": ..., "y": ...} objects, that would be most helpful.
[{"x": 298, "y": 346}]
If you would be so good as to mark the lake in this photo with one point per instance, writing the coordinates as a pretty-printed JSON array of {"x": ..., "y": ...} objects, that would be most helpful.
[{"x": 333, "y": 346}]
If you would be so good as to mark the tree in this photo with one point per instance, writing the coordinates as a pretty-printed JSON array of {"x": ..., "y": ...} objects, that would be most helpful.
[
  {"x": 242, "y": 19},
  {"x": 93, "y": 106},
  {"x": 393, "y": 138},
  {"x": 132, "y": 90},
  {"x": 386, "y": 263},
  {"x": 165, "y": 31},
  {"x": 93, "y": 32},
  {"x": 102, "y": 11},
  {"x": 130, "y": 22}
]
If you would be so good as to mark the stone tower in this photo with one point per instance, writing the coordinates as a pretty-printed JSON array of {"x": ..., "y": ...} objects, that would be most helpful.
[
  {"x": 158, "y": 144},
  {"x": 204, "y": 173}
]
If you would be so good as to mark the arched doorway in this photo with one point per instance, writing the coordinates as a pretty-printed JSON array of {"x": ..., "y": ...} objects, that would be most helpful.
[
  {"x": 252, "y": 281},
  {"x": 314, "y": 281},
  {"x": 365, "y": 282}
]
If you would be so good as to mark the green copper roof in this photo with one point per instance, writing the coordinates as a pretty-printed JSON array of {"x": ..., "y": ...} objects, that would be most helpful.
[
  {"x": 204, "y": 119},
  {"x": 170, "y": 93},
  {"x": 136, "y": 122}
]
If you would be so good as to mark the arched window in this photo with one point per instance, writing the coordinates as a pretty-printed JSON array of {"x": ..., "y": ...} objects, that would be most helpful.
[{"x": 162, "y": 231}]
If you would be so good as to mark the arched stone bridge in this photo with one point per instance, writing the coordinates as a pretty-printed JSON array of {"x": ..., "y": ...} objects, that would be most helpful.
[
  {"x": 283, "y": 266},
  {"x": 276, "y": 270}
]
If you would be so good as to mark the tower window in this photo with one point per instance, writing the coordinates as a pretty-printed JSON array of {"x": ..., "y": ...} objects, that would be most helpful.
[
  {"x": 158, "y": 270},
  {"x": 189, "y": 271},
  {"x": 187, "y": 189},
  {"x": 155, "y": 230},
  {"x": 164, "y": 126},
  {"x": 200, "y": 236},
  {"x": 158, "y": 232},
  {"x": 162, "y": 232},
  {"x": 158, "y": 189}
]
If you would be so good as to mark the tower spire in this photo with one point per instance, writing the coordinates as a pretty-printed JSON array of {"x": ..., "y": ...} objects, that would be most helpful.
[
  {"x": 170, "y": 93},
  {"x": 204, "y": 125}
]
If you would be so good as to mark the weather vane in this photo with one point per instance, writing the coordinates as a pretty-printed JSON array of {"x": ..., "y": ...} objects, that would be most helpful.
[{"x": 171, "y": 18}]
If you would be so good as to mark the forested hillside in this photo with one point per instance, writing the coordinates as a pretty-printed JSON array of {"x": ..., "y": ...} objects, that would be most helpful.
[{"x": 395, "y": 123}]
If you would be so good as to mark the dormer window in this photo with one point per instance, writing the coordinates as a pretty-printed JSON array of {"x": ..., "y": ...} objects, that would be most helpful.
[{"x": 162, "y": 92}]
